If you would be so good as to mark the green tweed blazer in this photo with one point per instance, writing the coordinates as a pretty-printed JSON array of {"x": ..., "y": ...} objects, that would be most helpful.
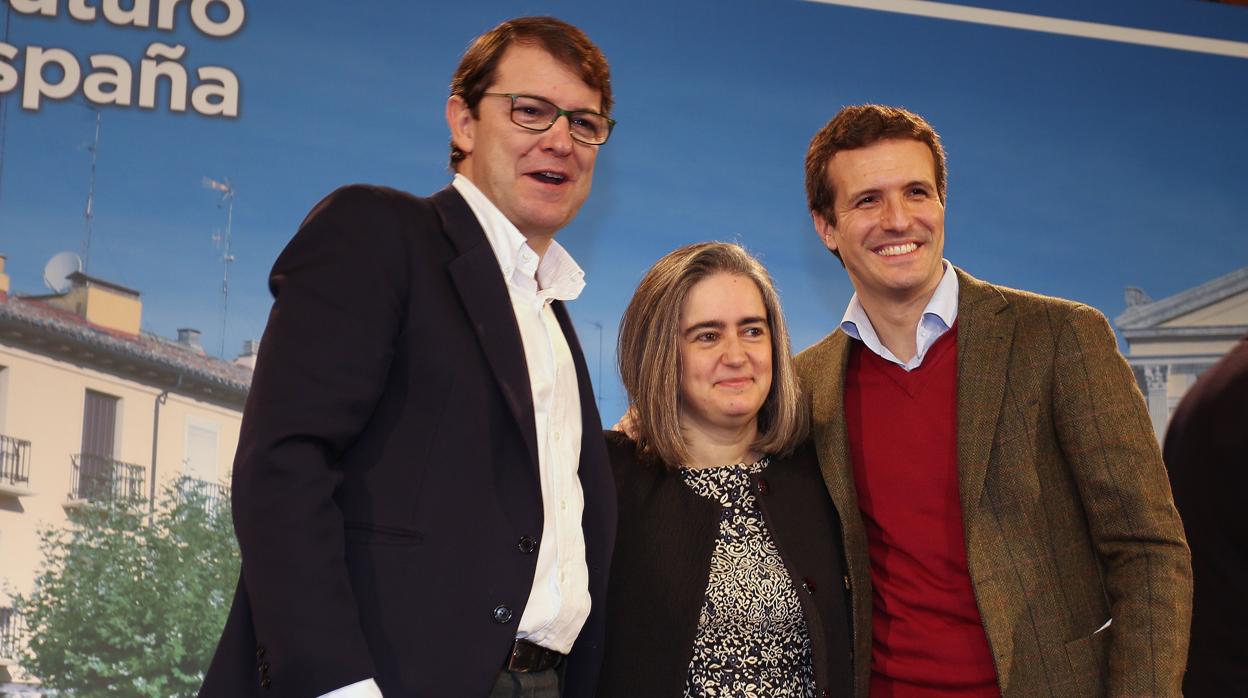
[{"x": 1066, "y": 506}]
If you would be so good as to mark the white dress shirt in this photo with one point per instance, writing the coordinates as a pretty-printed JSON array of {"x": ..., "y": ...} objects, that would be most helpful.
[
  {"x": 559, "y": 602},
  {"x": 938, "y": 317}
]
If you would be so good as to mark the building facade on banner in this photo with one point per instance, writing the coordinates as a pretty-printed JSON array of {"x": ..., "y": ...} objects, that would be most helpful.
[
  {"x": 1173, "y": 340},
  {"x": 93, "y": 407}
]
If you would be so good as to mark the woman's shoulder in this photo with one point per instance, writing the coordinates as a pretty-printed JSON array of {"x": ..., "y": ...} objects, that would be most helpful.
[
  {"x": 800, "y": 467},
  {"x": 635, "y": 473},
  {"x": 619, "y": 443}
]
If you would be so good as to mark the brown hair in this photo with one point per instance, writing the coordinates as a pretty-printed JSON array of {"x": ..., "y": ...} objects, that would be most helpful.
[
  {"x": 649, "y": 353},
  {"x": 858, "y": 127},
  {"x": 561, "y": 40}
]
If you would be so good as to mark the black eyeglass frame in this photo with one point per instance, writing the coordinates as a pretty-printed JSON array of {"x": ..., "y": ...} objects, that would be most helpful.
[{"x": 559, "y": 111}]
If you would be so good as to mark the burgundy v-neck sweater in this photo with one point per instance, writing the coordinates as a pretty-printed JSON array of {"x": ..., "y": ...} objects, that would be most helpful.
[{"x": 929, "y": 641}]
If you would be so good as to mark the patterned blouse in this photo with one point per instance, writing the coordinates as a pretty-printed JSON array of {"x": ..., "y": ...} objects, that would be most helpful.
[{"x": 752, "y": 639}]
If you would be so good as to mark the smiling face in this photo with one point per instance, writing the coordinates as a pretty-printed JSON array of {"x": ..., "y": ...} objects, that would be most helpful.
[
  {"x": 537, "y": 180},
  {"x": 890, "y": 223},
  {"x": 725, "y": 354}
]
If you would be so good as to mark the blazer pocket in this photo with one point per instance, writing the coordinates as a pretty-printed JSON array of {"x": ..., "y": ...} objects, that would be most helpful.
[
  {"x": 1088, "y": 658},
  {"x": 374, "y": 534}
]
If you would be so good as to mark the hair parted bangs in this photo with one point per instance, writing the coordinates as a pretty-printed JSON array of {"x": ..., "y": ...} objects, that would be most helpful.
[
  {"x": 649, "y": 353},
  {"x": 566, "y": 43}
]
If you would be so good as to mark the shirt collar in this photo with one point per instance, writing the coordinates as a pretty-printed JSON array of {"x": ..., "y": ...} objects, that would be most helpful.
[
  {"x": 938, "y": 316},
  {"x": 554, "y": 276}
]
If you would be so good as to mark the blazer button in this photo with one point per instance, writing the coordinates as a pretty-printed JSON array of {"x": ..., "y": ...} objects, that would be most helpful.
[
  {"x": 260, "y": 652},
  {"x": 809, "y": 583},
  {"x": 502, "y": 614},
  {"x": 527, "y": 544},
  {"x": 265, "y": 682},
  {"x": 763, "y": 487}
]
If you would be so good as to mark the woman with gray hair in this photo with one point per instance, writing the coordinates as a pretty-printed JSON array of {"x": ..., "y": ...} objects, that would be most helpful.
[{"x": 727, "y": 573}]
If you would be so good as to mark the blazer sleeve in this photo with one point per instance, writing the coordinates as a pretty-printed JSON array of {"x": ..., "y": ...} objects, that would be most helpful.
[
  {"x": 339, "y": 291},
  {"x": 1108, "y": 441}
]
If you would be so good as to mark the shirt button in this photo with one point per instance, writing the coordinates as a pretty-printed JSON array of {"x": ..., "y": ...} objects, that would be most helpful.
[
  {"x": 527, "y": 544},
  {"x": 563, "y": 505},
  {"x": 557, "y": 436},
  {"x": 502, "y": 614}
]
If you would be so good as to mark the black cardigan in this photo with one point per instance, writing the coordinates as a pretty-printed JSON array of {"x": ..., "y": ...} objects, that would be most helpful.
[{"x": 659, "y": 572}]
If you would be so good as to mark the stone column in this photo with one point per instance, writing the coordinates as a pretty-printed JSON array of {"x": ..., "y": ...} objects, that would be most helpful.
[{"x": 1156, "y": 378}]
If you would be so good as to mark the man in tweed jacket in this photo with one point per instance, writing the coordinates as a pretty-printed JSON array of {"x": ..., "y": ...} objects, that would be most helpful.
[{"x": 1069, "y": 555}]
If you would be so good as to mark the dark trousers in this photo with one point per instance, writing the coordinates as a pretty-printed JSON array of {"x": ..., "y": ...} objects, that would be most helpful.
[{"x": 539, "y": 684}]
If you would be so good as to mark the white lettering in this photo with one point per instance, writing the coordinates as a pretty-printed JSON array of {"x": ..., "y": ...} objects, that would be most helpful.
[
  {"x": 81, "y": 11},
  {"x": 35, "y": 88},
  {"x": 150, "y": 70},
  {"x": 30, "y": 7},
  {"x": 139, "y": 14},
  {"x": 219, "y": 99},
  {"x": 232, "y": 22},
  {"x": 164, "y": 14},
  {"x": 118, "y": 76},
  {"x": 8, "y": 74}
]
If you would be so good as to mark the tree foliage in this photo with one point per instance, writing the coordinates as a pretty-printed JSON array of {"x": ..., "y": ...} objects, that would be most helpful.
[{"x": 129, "y": 603}]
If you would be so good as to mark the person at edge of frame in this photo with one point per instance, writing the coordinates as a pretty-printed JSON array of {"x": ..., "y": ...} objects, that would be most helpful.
[{"x": 1205, "y": 449}]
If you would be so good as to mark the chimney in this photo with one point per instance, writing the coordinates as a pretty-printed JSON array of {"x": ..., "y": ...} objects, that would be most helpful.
[
  {"x": 101, "y": 303},
  {"x": 189, "y": 338},
  {"x": 4, "y": 278},
  {"x": 247, "y": 359}
]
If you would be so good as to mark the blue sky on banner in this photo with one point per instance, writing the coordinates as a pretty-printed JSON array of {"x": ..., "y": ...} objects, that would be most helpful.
[{"x": 1078, "y": 166}]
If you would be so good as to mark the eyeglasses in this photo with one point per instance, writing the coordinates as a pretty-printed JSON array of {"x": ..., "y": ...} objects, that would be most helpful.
[{"x": 537, "y": 114}]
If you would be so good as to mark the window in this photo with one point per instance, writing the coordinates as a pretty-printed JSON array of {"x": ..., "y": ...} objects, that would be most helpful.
[
  {"x": 95, "y": 476},
  {"x": 200, "y": 461}
]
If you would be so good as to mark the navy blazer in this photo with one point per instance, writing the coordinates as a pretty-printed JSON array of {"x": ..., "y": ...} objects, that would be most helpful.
[{"x": 387, "y": 467}]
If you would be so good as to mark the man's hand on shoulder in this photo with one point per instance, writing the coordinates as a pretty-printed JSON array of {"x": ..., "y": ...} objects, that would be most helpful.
[{"x": 627, "y": 424}]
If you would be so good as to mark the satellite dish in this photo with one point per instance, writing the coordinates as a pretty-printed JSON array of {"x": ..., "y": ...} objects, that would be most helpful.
[{"x": 56, "y": 272}]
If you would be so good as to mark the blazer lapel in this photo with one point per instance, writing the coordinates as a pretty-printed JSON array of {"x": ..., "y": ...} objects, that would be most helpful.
[
  {"x": 589, "y": 405},
  {"x": 481, "y": 287},
  {"x": 985, "y": 336},
  {"x": 823, "y": 376}
]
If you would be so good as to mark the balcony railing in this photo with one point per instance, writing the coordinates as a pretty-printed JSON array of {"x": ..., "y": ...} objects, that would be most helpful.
[
  {"x": 213, "y": 494},
  {"x": 10, "y": 633},
  {"x": 99, "y": 478},
  {"x": 14, "y": 462}
]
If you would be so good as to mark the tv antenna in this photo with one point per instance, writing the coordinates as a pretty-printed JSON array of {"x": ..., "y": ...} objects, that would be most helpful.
[
  {"x": 89, "y": 214},
  {"x": 227, "y": 200},
  {"x": 57, "y": 271}
]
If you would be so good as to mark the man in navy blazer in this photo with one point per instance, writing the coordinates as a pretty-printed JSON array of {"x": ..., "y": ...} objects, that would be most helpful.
[{"x": 421, "y": 490}]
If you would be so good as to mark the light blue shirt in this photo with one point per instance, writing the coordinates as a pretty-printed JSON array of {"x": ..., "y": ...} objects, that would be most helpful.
[{"x": 938, "y": 317}]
